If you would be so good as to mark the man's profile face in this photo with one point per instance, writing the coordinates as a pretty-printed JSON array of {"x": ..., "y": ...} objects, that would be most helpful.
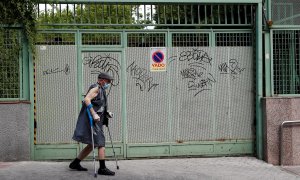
[{"x": 103, "y": 81}]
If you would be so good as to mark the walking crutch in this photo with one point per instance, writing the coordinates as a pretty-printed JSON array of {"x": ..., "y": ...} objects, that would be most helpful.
[
  {"x": 110, "y": 115},
  {"x": 93, "y": 144}
]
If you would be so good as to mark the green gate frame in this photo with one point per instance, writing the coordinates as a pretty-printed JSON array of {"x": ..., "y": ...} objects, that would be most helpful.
[
  {"x": 41, "y": 151},
  {"x": 127, "y": 150}
]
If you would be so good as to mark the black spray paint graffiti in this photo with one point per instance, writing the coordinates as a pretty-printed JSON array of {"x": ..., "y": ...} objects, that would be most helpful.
[
  {"x": 199, "y": 79},
  {"x": 203, "y": 83},
  {"x": 198, "y": 71},
  {"x": 104, "y": 63},
  {"x": 196, "y": 58},
  {"x": 142, "y": 79},
  {"x": 231, "y": 68},
  {"x": 65, "y": 69}
]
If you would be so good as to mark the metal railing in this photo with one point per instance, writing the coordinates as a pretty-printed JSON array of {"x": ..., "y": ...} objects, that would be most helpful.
[{"x": 283, "y": 124}]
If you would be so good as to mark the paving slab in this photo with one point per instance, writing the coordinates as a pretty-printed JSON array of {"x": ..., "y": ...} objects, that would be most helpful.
[{"x": 220, "y": 168}]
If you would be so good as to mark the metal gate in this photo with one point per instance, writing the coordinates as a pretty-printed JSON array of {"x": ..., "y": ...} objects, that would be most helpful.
[{"x": 202, "y": 105}]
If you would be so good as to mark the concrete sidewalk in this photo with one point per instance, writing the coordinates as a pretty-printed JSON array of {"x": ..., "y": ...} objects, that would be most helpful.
[{"x": 233, "y": 168}]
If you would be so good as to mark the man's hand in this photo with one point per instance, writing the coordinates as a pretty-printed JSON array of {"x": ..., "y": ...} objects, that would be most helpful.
[{"x": 96, "y": 117}]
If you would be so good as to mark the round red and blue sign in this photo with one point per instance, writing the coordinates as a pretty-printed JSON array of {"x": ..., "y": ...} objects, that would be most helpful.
[{"x": 158, "y": 56}]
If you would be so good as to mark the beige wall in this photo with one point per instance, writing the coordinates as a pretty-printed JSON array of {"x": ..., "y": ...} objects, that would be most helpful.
[{"x": 277, "y": 110}]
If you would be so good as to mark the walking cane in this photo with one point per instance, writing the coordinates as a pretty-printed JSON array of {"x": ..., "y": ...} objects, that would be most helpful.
[
  {"x": 110, "y": 115},
  {"x": 93, "y": 144}
]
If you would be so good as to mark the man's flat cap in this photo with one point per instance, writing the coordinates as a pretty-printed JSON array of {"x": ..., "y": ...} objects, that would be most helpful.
[{"x": 105, "y": 76}]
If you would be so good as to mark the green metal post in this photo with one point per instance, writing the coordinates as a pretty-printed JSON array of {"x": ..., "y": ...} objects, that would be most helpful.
[
  {"x": 268, "y": 64},
  {"x": 31, "y": 98},
  {"x": 259, "y": 82},
  {"x": 25, "y": 66},
  {"x": 123, "y": 84},
  {"x": 268, "y": 54}
]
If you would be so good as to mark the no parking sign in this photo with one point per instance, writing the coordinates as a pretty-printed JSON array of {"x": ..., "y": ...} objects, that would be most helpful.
[{"x": 158, "y": 59}]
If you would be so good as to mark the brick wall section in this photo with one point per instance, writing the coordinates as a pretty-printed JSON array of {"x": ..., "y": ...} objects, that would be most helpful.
[
  {"x": 14, "y": 131},
  {"x": 277, "y": 110}
]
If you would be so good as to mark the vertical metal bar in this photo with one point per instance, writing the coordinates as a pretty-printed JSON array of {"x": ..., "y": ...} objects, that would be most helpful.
[
  {"x": 245, "y": 14},
  {"x": 259, "y": 82},
  {"x": 212, "y": 14},
  {"x": 158, "y": 14},
  {"x": 219, "y": 19},
  {"x": 46, "y": 13},
  {"x": 31, "y": 98},
  {"x": 185, "y": 15},
  {"x": 292, "y": 63},
  {"x": 165, "y": 17},
  {"x": 96, "y": 12},
  {"x": 52, "y": 12},
  {"x": 284, "y": 62},
  {"x": 117, "y": 14},
  {"x": 131, "y": 9},
  {"x": 124, "y": 19},
  {"x": 232, "y": 17},
  {"x": 151, "y": 15},
  {"x": 102, "y": 17},
  {"x": 205, "y": 13},
  {"x": 60, "y": 13},
  {"x": 67, "y": 13},
  {"x": 239, "y": 14},
  {"x": 172, "y": 18},
  {"x": 192, "y": 14},
  {"x": 268, "y": 55},
  {"x": 199, "y": 21},
  {"x": 89, "y": 12},
  {"x": 81, "y": 13},
  {"x": 38, "y": 10},
  {"x": 109, "y": 13},
  {"x": 123, "y": 93},
  {"x": 145, "y": 14},
  {"x": 137, "y": 14},
  {"x": 178, "y": 13},
  {"x": 74, "y": 12},
  {"x": 225, "y": 10},
  {"x": 252, "y": 19}
]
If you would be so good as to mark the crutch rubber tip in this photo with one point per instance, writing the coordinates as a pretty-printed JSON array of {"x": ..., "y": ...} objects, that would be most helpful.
[
  {"x": 95, "y": 175},
  {"x": 117, "y": 167}
]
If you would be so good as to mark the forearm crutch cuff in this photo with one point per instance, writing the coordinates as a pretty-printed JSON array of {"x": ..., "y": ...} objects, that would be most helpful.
[{"x": 90, "y": 106}]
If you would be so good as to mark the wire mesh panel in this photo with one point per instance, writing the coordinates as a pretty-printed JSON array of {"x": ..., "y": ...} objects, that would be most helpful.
[
  {"x": 101, "y": 38},
  {"x": 10, "y": 64},
  {"x": 55, "y": 39},
  {"x": 213, "y": 90},
  {"x": 210, "y": 89},
  {"x": 110, "y": 62},
  {"x": 234, "y": 39},
  {"x": 190, "y": 39},
  {"x": 146, "y": 40},
  {"x": 147, "y": 99},
  {"x": 286, "y": 57},
  {"x": 147, "y": 102},
  {"x": 192, "y": 87},
  {"x": 235, "y": 88},
  {"x": 285, "y": 12},
  {"x": 56, "y": 90}
]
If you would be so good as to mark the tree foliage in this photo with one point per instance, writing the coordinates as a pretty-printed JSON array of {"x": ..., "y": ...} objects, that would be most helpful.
[{"x": 14, "y": 13}]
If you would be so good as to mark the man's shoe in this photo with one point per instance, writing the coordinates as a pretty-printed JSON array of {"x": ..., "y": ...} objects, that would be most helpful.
[
  {"x": 106, "y": 171},
  {"x": 77, "y": 167}
]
